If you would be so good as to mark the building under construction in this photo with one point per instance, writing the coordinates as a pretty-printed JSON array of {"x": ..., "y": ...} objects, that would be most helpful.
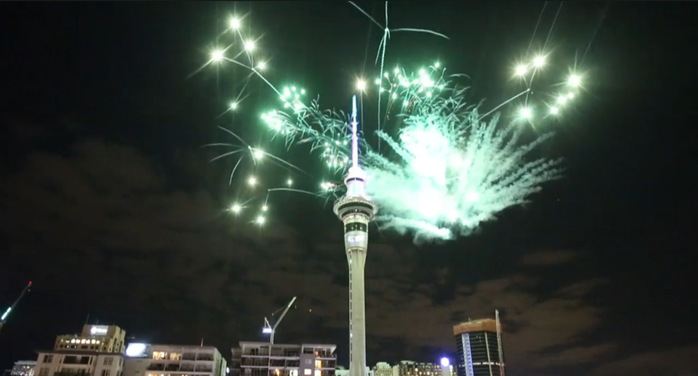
[{"x": 479, "y": 348}]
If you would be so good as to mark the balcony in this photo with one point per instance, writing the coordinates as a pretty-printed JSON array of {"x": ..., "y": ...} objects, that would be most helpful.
[
  {"x": 64, "y": 373},
  {"x": 325, "y": 355},
  {"x": 274, "y": 353},
  {"x": 76, "y": 360},
  {"x": 156, "y": 367},
  {"x": 255, "y": 362}
]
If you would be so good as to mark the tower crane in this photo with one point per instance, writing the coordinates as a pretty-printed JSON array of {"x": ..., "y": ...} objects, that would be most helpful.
[{"x": 3, "y": 318}]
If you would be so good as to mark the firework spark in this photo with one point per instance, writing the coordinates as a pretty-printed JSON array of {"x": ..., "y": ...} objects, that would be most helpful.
[{"x": 449, "y": 166}]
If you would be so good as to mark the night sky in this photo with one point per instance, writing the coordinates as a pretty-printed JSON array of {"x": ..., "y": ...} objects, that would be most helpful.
[{"x": 110, "y": 206}]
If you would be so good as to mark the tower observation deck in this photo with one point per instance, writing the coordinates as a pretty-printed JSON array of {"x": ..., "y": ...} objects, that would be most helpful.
[{"x": 356, "y": 210}]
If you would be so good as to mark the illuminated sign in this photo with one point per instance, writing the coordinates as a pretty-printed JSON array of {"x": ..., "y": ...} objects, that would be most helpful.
[
  {"x": 358, "y": 238},
  {"x": 99, "y": 330},
  {"x": 136, "y": 350}
]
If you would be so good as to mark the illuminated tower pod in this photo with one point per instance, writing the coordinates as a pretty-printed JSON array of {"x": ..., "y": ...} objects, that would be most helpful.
[{"x": 356, "y": 211}]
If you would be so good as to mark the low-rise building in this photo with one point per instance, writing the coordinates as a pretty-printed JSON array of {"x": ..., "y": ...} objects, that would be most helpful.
[
  {"x": 173, "y": 360},
  {"x": 23, "y": 368},
  {"x": 103, "y": 338},
  {"x": 78, "y": 363},
  {"x": 256, "y": 359},
  {"x": 411, "y": 368}
]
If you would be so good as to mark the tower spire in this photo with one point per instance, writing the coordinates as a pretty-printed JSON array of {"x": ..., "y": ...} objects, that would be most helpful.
[{"x": 354, "y": 135}]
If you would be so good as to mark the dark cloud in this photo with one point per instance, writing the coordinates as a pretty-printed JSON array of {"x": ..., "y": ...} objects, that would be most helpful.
[
  {"x": 549, "y": 258},
  {"x": 105, "y": 219},
  {"x": 677, "y": 362}
]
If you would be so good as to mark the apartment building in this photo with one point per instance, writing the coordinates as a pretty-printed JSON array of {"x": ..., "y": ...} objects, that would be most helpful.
[
  {"x": 263, "y": 359},
  {"x": 173, "y": 360}
]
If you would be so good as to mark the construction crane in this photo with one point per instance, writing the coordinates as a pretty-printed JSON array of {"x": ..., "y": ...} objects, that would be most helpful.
[
  {"x": 271, "y": 330},
  {"x": 3, "y": 318},
  {"x": 268, "y": 329}
]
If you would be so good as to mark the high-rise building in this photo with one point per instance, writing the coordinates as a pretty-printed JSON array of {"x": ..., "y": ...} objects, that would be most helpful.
[
  {"x": 356, "y": 210},
  {"x": 173, "y": 360},
  {"x": 104, "y": 338},
  {"x": 410, "y": 368},
  {"x": 23, "y": 368},
  {"x": 478, "y": 344},
  {"x": 286, "y": 359}
]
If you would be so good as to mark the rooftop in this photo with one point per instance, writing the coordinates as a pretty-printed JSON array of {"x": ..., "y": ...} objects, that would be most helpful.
[
  {"x": 78, "y": 352},
  {"x": 482, "y": 325}
]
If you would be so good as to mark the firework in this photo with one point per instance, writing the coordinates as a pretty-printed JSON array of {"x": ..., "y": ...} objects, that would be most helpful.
[{"x": 448, "y": 166}]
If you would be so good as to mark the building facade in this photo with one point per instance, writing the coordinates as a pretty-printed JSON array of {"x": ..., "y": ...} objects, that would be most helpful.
[
  {"x": 173, "y": 360},
  {"x": 96, "y": 351},
  {"x": 256, "y": 359},
  {"x": 99, "y": 338},
  {"x": 479, "y": 350},
  {"x": 410, "y": 368},
  {"x": 78, "y": 363},
  {"x": 23, "y": 368},
  {"x": 382, "y": 369}
]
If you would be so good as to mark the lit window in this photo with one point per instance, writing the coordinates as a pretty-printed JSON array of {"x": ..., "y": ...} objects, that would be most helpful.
[
  {"x": 318, "y": 364},
  {"x": 318, "y": 372},
  {"x": 308, "y": 372}
]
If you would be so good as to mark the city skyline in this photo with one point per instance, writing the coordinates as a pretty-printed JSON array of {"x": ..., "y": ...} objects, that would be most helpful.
[{"x": 112, "y": 208}]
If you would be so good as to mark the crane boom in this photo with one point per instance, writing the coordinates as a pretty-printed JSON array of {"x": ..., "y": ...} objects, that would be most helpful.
[
  {"x": 273, "y": 330},
  {"x": 4, "y": 316}
]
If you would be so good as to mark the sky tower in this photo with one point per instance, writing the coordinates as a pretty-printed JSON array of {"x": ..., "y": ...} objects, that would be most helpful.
[{"x": 356, "y": 210}]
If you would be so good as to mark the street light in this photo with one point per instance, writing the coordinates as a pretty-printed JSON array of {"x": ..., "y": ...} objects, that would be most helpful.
[{"x": 445, "y": 367}]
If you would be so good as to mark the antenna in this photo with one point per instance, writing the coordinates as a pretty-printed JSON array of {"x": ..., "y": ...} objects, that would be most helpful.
[
  {"x": 354, "y": 135},
  {"x": 499, "y": 342}
]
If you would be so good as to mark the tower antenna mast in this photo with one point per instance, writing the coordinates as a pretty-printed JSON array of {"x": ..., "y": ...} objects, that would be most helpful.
[{"x": 499, "y": 342}]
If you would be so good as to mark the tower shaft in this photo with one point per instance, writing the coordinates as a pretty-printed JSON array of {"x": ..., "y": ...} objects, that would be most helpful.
[
  {"x": 356, "y": 213},
  {"x": 357, "y": 312}
]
